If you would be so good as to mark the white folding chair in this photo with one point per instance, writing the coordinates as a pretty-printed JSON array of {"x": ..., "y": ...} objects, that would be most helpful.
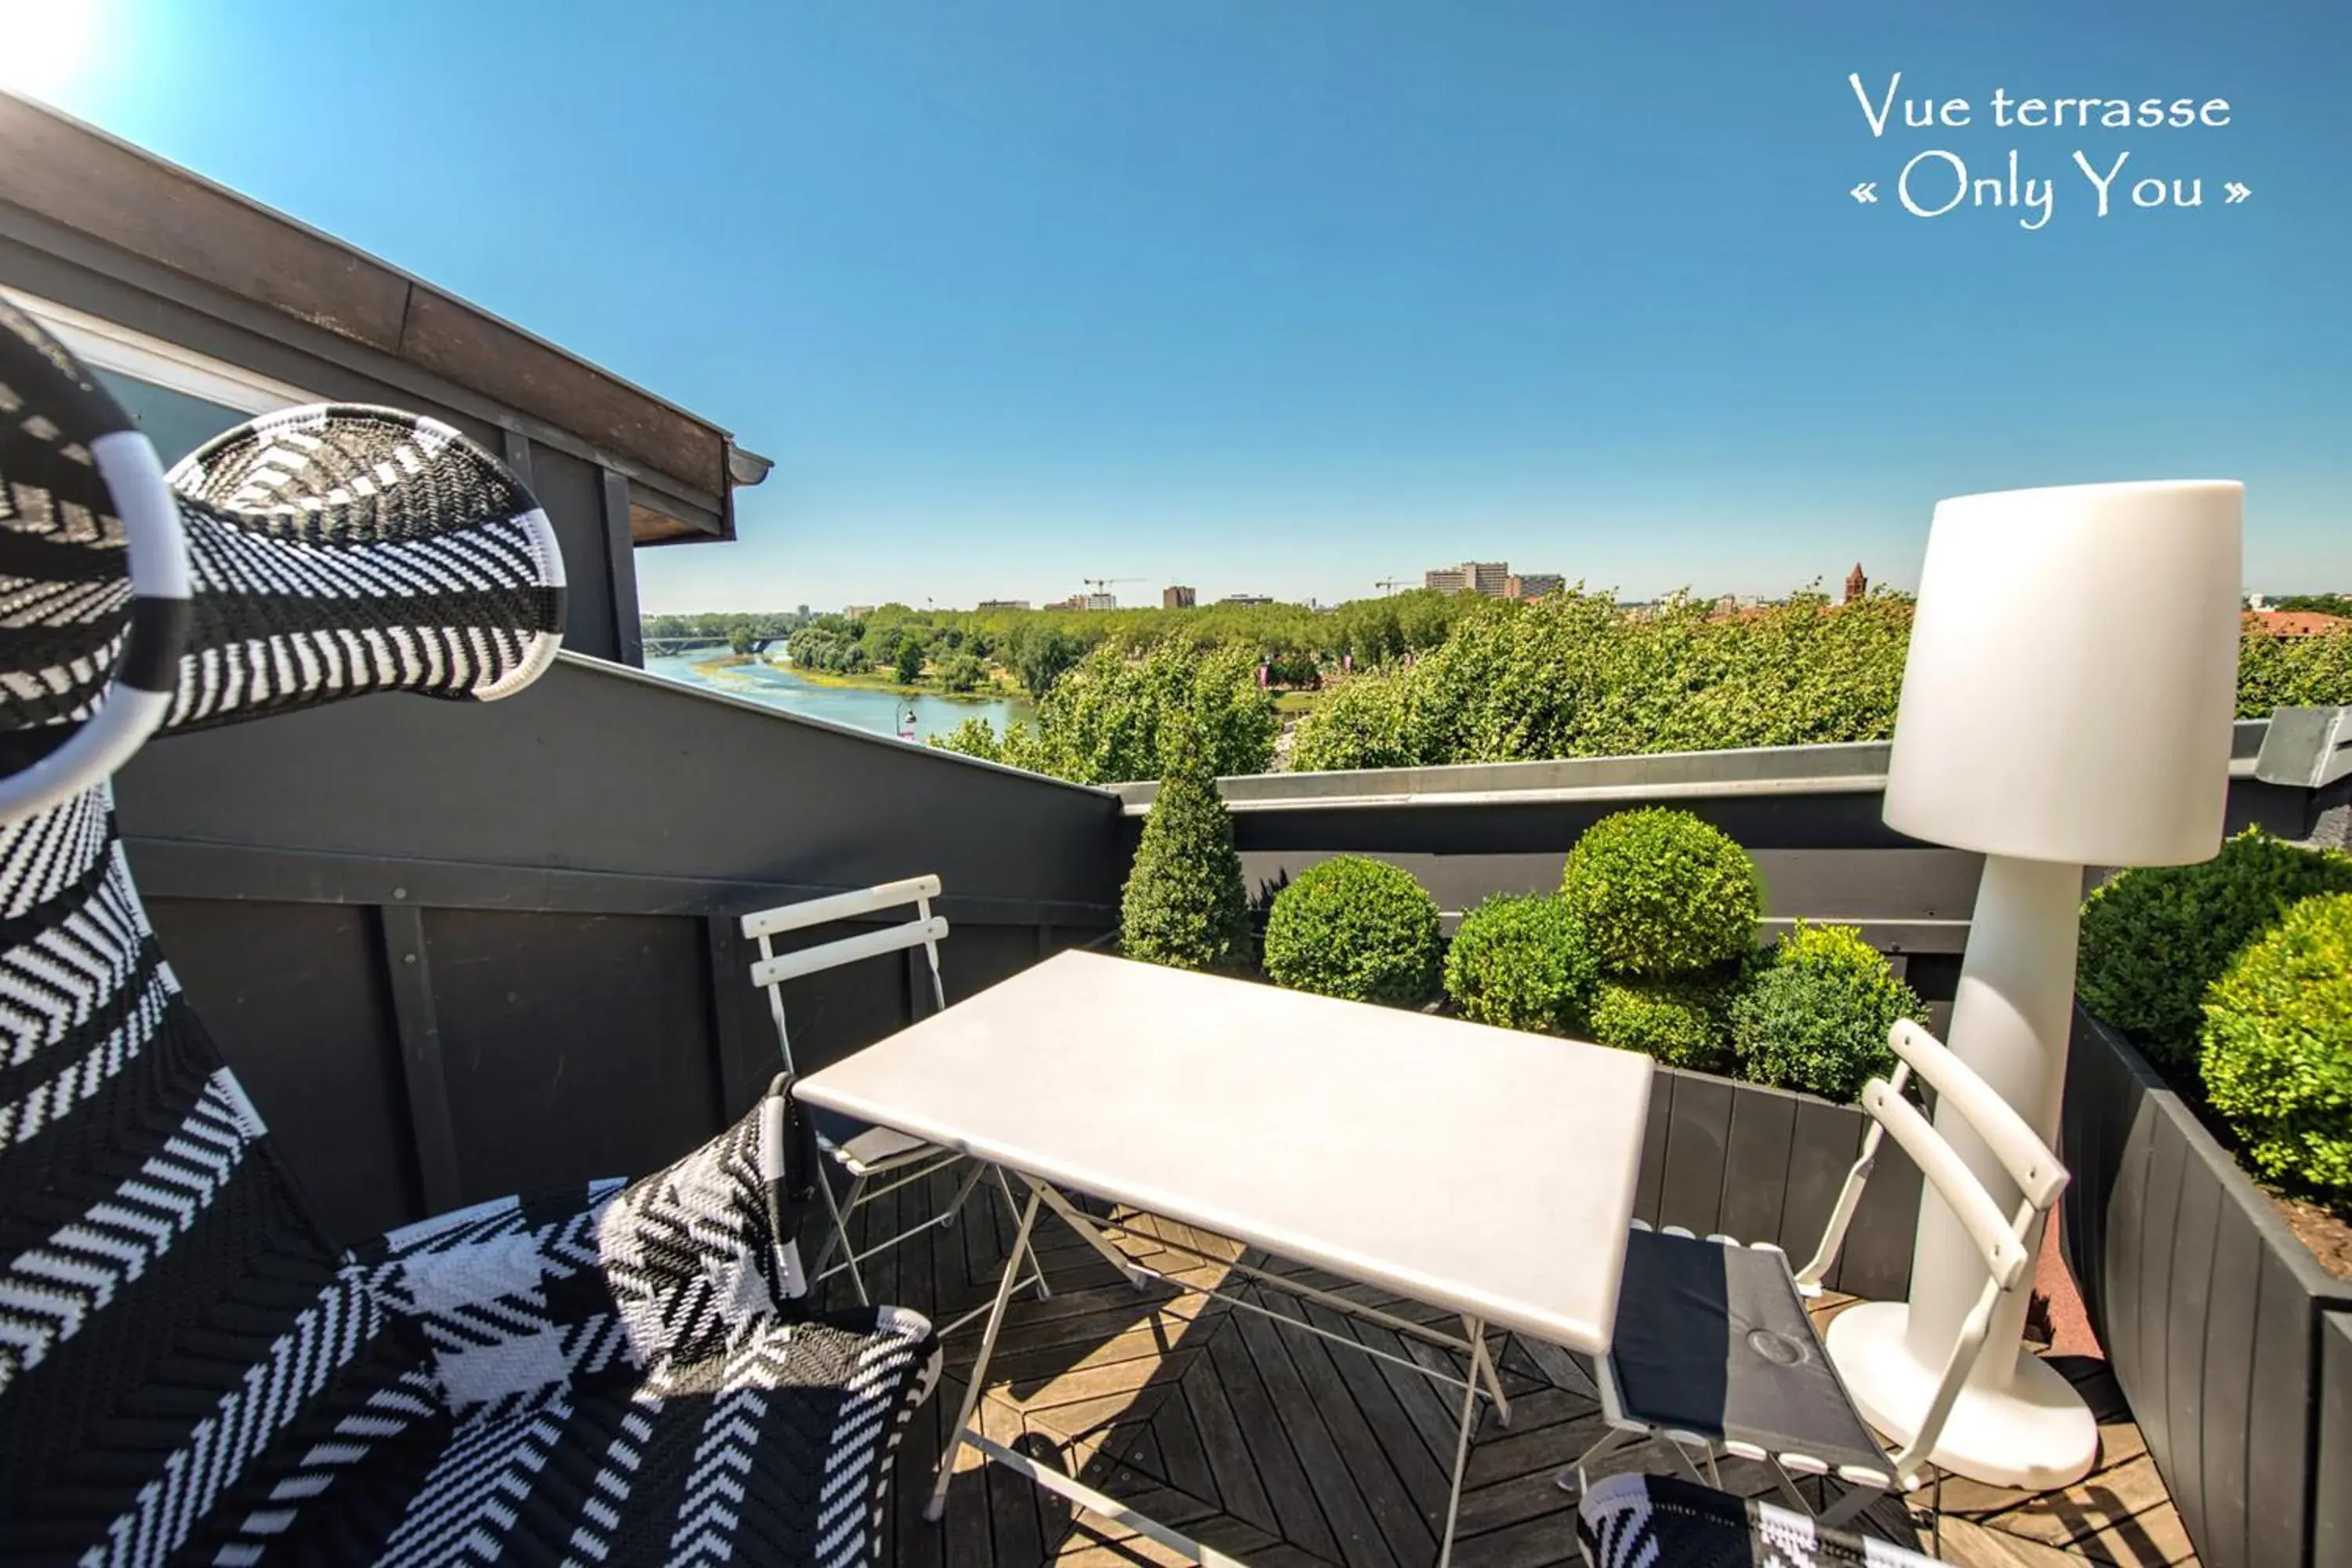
[
  {"x": 1715, "y": 1356},
  {"x": 865, "y": 1154}
]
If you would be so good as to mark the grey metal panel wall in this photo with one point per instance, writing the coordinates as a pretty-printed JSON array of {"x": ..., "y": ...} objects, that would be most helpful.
[
  {"x": 564, "y": 866},
  {"x": 572, "y": 493}
]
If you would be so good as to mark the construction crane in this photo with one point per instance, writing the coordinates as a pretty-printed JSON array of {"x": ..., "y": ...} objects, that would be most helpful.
[
  {"x": 1386, "y": 584},
  {"x": 1101, "y": 586}
]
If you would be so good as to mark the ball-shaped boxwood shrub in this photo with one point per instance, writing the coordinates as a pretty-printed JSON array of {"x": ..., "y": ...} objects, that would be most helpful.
[
  {"x": 2154, "y": 937},
  {"x": 1816, "y": 1014},
  {"x": 1660, "y": 892},
  {"x": 1680, "y": 1019},
  {"x": 2277, "y": 1056},
  {"x": 1520, "y": 962},
  {"x": 1357, "y": 928}
]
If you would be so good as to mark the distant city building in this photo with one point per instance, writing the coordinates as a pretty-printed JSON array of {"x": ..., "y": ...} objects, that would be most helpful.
[
  {"x": 1173, "y": 598},
  {"x": 988, "y": 605},
  {"x": 1856, "y": 585},
  {"x": 1249, "y": 599},
  {"x": 858, "y": 612},
  {"x": 1491, "y": 578},
  {"x": 1075, "y": 602},
  {"x": 1102, "y": 602},
  {"x": 1533, "y": 584},
  {"x": 2258, "y": 601}
]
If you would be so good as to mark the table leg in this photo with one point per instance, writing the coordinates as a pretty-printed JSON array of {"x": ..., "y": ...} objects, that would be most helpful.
[
  {"x": 1470, "y": 1392},
  {"x": 1482, "y": 1364},
  {"x": 1094, "y": 1237},
  {"x": 936, "y": 1508},
  {"x": 1013, "y": 1206}
]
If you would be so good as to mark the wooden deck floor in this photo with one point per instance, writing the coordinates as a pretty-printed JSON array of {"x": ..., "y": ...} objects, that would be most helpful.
[{"x": 1287, "y": 1451}]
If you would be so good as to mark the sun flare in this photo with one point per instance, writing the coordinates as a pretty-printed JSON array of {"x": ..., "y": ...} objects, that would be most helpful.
[{"x": 45, "y": 45}]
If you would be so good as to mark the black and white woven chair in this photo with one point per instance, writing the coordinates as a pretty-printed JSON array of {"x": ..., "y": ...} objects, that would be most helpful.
[
  {"x": 190, "y": 1371},
  {"x": 1661, "y": 1522}
]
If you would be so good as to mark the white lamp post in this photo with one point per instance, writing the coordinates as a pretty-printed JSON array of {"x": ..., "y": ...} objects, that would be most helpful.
[{"x": 2066, "y": 703}]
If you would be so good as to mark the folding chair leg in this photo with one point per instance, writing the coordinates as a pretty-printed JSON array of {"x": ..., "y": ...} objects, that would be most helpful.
[
  {"x": 837, "y": 1213},
  {"x": 1572, "y": 1478}
]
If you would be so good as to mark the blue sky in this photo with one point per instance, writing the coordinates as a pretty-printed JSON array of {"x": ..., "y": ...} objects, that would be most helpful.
[{"x": 1287, "y": 298}]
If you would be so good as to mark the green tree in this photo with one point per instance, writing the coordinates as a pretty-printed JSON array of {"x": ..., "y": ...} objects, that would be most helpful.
[
  {"x": 962, "y": 672},
  {"x": 1102, "y": 720},
  {"x": 741, "y": 635},
  {"x": 2317, "y": 604},
  {"x": 1184, "y": 905},
  {"x": 1042, "y": 654},
  {"x": 908, "y": 663},
  {"x": 2294, "y": 672}
]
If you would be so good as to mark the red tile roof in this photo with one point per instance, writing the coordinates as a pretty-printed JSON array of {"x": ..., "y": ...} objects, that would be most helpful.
[{"x": 2294, "y": 624}]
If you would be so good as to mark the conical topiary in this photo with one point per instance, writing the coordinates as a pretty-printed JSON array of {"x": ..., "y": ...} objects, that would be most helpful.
[{"x": 1185, "y": 906}]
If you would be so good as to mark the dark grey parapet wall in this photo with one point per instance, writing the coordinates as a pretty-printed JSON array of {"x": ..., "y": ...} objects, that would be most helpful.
[{"x": 459, "y": 950}]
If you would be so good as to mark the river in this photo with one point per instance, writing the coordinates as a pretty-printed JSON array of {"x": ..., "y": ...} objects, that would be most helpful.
[{"x": 774, "y": 687}]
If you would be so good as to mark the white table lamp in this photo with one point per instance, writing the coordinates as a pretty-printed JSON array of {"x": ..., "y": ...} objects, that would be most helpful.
[{"x": 2067, "y": 703}]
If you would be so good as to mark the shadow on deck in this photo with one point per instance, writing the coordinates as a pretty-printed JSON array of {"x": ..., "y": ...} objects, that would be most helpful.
[{"x": 1286, "y": 1452}]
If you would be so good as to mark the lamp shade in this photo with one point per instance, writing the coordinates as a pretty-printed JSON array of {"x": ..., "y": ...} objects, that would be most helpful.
[{"x": 2072, "y": 675}]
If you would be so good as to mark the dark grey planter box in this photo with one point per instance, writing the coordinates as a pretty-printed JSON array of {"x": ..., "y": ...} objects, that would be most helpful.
[
  {"x": 1765, "y": 1164},
  {"x": 2214, "y": 1317}
]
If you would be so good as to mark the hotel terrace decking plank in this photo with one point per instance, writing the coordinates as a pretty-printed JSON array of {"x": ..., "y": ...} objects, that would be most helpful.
[{"x": 1289, "y": 1452}]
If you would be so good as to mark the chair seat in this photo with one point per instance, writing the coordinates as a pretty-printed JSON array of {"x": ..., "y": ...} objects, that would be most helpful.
[
  {"x": 1659, "y": 1522},
  {"x": 860, "y": 1147},
  {"x": 1713, "y": 1339},
  {"x": 776, "y": 1453}
]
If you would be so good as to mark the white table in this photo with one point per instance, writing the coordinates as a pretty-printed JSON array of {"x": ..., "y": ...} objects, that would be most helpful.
[{"x": 1481, "y": 1170}]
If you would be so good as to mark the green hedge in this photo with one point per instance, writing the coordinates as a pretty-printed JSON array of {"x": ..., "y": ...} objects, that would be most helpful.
[
  {"x": 1659, "y": 892},
  {"x": 2154, "y": 937},
  {"x": 1520, "y": 962},
  {"x": 1357, "y": 928},
  {"x": 2277, "y": 1060},
  {"x": 1816, "y": 1016}
]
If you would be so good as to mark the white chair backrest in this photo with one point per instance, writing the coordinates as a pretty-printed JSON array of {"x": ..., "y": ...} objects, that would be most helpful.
[
  {"x": 2005, "y": 1241},
  {"x": 925, "y": 930}
]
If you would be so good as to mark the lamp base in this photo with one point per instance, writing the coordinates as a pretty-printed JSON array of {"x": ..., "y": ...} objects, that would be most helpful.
[{"x": 2035, "y": 1434}]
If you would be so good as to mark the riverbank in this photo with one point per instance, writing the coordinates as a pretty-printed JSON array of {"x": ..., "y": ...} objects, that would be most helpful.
[{"x": 1000, "y": 692}]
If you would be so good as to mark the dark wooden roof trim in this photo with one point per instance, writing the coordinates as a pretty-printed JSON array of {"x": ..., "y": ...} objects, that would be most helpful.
[{"x": 80, "y": 177}]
